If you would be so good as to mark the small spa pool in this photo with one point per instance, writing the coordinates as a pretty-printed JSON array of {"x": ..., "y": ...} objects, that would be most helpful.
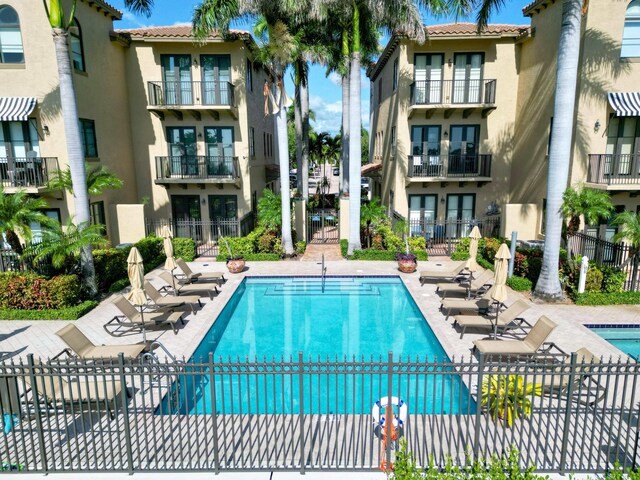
[{"x": 624, "y": 337}]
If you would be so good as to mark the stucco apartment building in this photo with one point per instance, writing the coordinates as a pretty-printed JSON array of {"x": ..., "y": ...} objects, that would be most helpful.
[
  {"x": 181, "y": 123},
  {"x": 461, "y": 125}
]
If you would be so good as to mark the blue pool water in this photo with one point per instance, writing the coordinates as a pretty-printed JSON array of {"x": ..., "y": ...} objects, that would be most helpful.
[
  {"x": 624, "y": 337},
  {"x": 347, "y": 318}
]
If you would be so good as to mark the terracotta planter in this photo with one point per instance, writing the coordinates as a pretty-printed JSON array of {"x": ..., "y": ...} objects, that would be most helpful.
[
  {"x": 235, "y": 266},
  {"x": 407, "y": 266}
]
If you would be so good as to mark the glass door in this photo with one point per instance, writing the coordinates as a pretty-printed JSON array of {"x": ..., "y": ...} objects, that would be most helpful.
[
  {"x": 460, "y": 212},
  {"x": 176, "y": 73},
  {"x": 425, "y": 150},
  {"x": 185, "y": 210},
  {"x": 422, "y": 215},
  {"x": 467, "y": 78},
  {"x": 219, "y": 150},
  {"x": 182, "y": 151},
  {"x": 463, "y": 149},
  {"x": 216, "y": 77},
  {"x": 428, "y": 78},
  {"x": 622, "y": 146}
]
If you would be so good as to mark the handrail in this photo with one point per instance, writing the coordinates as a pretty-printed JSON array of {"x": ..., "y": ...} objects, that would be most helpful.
[{"x": 323, "y": 273}]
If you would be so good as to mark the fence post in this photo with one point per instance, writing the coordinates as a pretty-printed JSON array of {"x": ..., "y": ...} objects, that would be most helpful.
[
  {"x": 125, "y": 413},
  {"x": 214, "y": 415},
  {"x": 303, "y": 459},
  {"x": 567, "y": 414},
  {"x": 514, "y": 240},
  {"x": 36, "y": 407},
  {"x": 476, "y": 437},
  {"x": 389, "y": 395},
  {"x": 584, "y": 268}
]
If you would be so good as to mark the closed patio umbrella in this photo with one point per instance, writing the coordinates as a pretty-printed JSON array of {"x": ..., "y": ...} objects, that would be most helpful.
[
  {"x": 137, "y": 295},
  {"x": 170, "y": 263},
  {"x": 475, "y": 236},
  {"x": 499, "y": 289}
]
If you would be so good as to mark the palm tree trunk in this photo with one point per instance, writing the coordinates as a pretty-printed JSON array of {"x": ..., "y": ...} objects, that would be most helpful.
[
  {"x": 355, "y": 139},
  {"x": 304, "y": 104},
  {"x": 297, "y": 120},
  {"x": 548, "y": 285},
  {"x": 283, "y": 160},
  {"x": 74, "y": 153},
  {"x": 344, "y": 145},
  {"x": 14, "y": 241}
]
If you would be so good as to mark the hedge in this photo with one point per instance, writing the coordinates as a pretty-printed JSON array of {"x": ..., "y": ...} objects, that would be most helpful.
[
  {"x": 116, "y": 286},
  {"x": 520, "y": 284},
  {"x": 29, "y": 291},
  {"x": 184, "y": 248},
  {"x": 152, "y": 252},
  {"x": 67, "y": 313},
  {"x": 603, "y": 298},
  {"x": 372, "y": 254},
  {"x": 110, "y": 265},
  {"x": 254, "y": 257}
]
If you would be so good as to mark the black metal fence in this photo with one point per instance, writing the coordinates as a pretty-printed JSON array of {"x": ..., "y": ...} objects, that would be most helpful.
[
  {"x": 442, "y": 236},
  {"x": 300, "y": 414},
  {"x": 462, "y": 91},
  {"x": 26, "y": 172},
  {"x": 322, "y": 226},
  {"x": 609, "y": 169},
  {"x": 196, "y": 167},
  {"x": 187, "y": 93},
  {"x": 440, "y": 166}
]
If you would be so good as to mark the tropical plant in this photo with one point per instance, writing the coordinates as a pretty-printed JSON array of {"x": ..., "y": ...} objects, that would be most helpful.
[
  {"x": 629, "y": 231},
  {"x": 99, "y": 178},
  {"x": 270, "y": 211},
  {"x": 17, "y": 212},
  {"x": 590, "y": 203},
  {"x": 62, "y": 244},
  {"x": 60, "y": 25},
  {"x": 371, "y": 213},
  {"x": 507, "y": 397}
]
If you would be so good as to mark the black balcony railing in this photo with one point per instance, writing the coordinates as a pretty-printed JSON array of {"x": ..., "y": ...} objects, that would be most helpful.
[
  {"x": 444, "y": 166},
  {"x": 611, "y": 169},
  {"x": 192, "y": 167},
  {"x": 26, "y": 171},
  {"x": 447, "y": 92},
  {"x": 187, "y": 93}
]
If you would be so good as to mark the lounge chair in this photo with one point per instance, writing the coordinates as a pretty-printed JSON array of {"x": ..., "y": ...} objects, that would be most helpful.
[
  {"x": 475, "y": 305},
  {"x": 508, "y": 320},
  {"x": 454, "y": 273},
  {"x": 191, "y": 276},
  {"x": 82, "y": 347},
  {"x": 476, "y": 286},
  {"x": 131, "y": 319},
  {"x": 169, "y": 300},
  {"x": 530, "y": 345},
  {"x": 186, "y": 288}
]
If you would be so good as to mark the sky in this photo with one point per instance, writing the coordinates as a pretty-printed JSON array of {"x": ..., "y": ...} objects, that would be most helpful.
[{"x": 325, "y": 94}]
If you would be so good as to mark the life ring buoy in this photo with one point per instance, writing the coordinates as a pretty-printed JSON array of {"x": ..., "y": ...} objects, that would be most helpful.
[{"x": 378, "y": 412}]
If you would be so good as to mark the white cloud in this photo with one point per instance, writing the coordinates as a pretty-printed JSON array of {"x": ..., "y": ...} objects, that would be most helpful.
[
  {"x": 329, "y": 114},
  {"x": 335, "y": 79},
  {"x": 133, "y": 20}
]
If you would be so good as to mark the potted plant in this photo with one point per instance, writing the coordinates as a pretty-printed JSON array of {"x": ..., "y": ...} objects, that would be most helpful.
[
  {"x": 235, "y": 264},
  {"x": 407, "y": 262},
  {"x": 506, "y": 397}
]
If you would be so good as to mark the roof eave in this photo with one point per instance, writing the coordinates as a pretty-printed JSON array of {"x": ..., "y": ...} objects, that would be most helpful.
[{"x": 101, "y": 6}]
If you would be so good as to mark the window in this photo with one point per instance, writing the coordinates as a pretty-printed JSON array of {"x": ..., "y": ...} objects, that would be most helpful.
[
  {"x": 252, "y": 142},
  {"x": 467, "y": 77},
  {"x": 393, "y": 141},
  {"x": 219, "y": 148},
  {"x": 425, "y": 151},
  {"x": 88, "y": 134},
  {"x": 11, "y": 50},
  {"x": 395, "y": 74},
  {"x": 249, "y": 76},
  {"x": 77, "y": 49},
  {"x": 18, "y": 140},
  {"x": 182, "y": 151},
  {"x": 422, "y": 214},
  {"x": 631, "y": 33},
  {"x": 36, "y": 227},
  {"x": 463, "y": 150},
  {"x": 460, "y": 212},
  {"x": 176, "y": 75},
  {"x": 428, "y": 78},
  {"x": 216, "y": 78},
  {"x": 223, "y": 207},
  {"x": 97, "y": 214},
  {"x": 623, "y": 145}
]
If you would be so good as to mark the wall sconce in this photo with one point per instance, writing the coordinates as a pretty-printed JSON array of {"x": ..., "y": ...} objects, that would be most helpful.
[
  {"x": 200, "y": 135},
  {"x": 442, "y": 199},
  {"x": 195, "y": 62},
  {"x": 204, "y": 201},
  {"x": 450, "y": 63},
  {"x": 596, "y": 126},
  {"x": 46, "y": 131},
  {"x": 445, "y": 134}
]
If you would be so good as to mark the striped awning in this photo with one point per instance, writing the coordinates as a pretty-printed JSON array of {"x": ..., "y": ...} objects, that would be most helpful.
[
  {"x": 625, "y": 104},
  {"x": 16, "y": 109}
]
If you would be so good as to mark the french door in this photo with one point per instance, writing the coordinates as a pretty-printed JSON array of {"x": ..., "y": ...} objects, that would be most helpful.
[
  {"x": 467, "y": 78},
  {"x": 623, "y": 146},
  {"x": 182, "y": 150},
  {"x": 185, "y": 210},
  {"x": 425, "y": 149},
  {"x": 216, "y": 77},
  {"x": 428, "y": 78},
  {"x": 176, "y": 75},
  {"x": 219, "y": 150},
  {"x": 463, "y": 149},
  {"x": 422, "y": 214},
  {"x": 460, "y": 212}
]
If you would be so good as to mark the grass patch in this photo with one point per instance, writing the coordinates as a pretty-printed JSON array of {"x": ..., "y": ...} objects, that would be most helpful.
[
  {"x": 602, "y": 298},
  {"x": 520, "y": 284},
  {"x": 67, "y": 313}
]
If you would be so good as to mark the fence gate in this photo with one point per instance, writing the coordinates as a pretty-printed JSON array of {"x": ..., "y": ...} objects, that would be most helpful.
[{"x": 322, "y": 226}]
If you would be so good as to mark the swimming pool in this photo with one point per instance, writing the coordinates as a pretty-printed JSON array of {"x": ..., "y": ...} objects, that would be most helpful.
[
  {"x": 338, "y": 320},
  {"x": 624, "y": 337}
]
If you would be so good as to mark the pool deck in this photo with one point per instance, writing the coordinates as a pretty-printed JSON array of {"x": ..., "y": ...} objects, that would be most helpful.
[{"x": 19, "y": 338}]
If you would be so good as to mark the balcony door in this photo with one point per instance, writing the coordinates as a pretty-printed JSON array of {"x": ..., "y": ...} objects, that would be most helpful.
[
  {"x": 182, "y": 150},
  {"x": 428, "y": 78},
  {"x": 216, "y": 77},
  {"x": 422, "y": 214},
  {"x": 623, "y": 146},
  {"x": 219, "y": 150},
  {"x": 176, "y": 79},
  {"x": 460, "y": 212},
  {"x": 19, "y": 154},
  {"x": 463, "y": 149},
  {"x": 425, "y": 150},
  {"x": 467, "y": 78},
  {"x": 185, "y": 210}
]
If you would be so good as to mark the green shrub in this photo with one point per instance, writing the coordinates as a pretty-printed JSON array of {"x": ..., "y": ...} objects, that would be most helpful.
[
  {"x": 66, "y": 313},
  {"x": 601, "y": 298},
  {"x": 613, "y": 279},
  {"x": 484, "y": 263},
  {"x": 184, "y": 248},
  {"x": 301, "y": 246},
  {"x": 417, "y": 244},
  {"x": 459, "y": 256},
  {"x": 370, "y": 254},
  {"x": 152, "y": 252},
  {"x": 490, "y": 248},
  {"x": 377, "y": 242},
  {"x": 594, "y": 279},
  {"x": 254, "y": 257},
  {"x": 265, "y": 243},
  {"x": 110, "y": 265},
  {"x": 28, "y": 291},
  {"x": 119, "y": 285},
  {"x": 344, "y": 247},
  {"x": 65, "y": 289},
  {"x": 535, "y": 266},
  {"x": 519, "y": 284},
  {"x": 390, "y": 240}
]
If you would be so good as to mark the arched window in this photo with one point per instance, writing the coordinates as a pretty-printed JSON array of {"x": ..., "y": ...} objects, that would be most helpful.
[
  {"x": 631, "y": 35},
  {"x": 10, "y": 38},
  {"x": 77, "y": 50}
]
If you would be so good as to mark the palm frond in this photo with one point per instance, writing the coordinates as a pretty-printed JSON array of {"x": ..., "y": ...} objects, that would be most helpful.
[
  {"x": 214, "y": 16},
  {"x": 487, "y": 8},
  {"x": 139, "y": 6}
]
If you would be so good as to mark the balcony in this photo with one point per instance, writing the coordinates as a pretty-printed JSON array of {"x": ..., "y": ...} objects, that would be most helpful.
[
  {"x": 446, "y": 168},
  {"x": 28, "y": 173},
  {"x": 192, "y": 97},
  {"x": 452, "y": 95},
  {"x": 197, "y": 169},
  {"x": 614, "y": 172}
]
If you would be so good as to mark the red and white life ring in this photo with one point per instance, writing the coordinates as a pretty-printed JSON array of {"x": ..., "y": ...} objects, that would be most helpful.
[{"x": 378, "y": 412}]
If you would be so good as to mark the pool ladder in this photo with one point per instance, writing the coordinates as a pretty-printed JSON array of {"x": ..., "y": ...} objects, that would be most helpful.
[{"x": 323, "y": 272}]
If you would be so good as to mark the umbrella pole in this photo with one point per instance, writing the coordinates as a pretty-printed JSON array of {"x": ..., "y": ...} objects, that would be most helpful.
[
  {"x": 495, "y": 327},
  {"x": 173, "y": 281},
  {"x": 144, "y": 332}
]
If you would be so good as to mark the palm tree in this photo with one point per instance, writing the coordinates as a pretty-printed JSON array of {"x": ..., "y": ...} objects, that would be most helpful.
[
  {"x": 371, "y": 213},
  {"x": 17, "y": 212},
  {"x": 99, "y": 178},
  {"x": 629, "y": 231},
  {"x": 589, "y": 203},
  {"x": 270, "y": 211},
  {"x": 61, "y": 244},
  {"x": 60, "y": 24}
]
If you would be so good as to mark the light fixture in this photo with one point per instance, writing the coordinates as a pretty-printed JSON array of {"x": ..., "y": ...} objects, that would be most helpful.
[
  {"x": 195, "y": 62},
  {"x": 46, "y": 131},
  {"x": 204, "y": 201},
  {"x": 596, "y": 126},
  {"x": 449, "y": 62},
  {"x": 200, "y": 135},
  {"x": 442, "y": 199},
  {"x": 445, "y": 134}
]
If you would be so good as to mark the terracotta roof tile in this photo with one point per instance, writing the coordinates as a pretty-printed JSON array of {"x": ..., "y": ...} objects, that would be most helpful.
[
  {"x": 471, "y": 29},
  {"x": 528, "y": 9},
  {"x": 175, "y": 31}
]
